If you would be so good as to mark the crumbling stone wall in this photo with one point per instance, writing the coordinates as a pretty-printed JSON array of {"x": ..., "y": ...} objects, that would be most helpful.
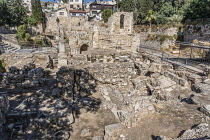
[
  {"x": 199, "y": 32},
  {"x": 114, "y": 37},
  {"x": 163, "y": 37},
  {"x": 114, "y": 23},
  {"x": 96, "y": 35},
  {"x": 4, "y": 106}
]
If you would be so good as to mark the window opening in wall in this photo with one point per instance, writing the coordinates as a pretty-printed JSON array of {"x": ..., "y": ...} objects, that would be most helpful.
[
  {"x": 122, "y": 21},
  {"x": 84, "y": 47},
  {"x": 61, "y": 13}
]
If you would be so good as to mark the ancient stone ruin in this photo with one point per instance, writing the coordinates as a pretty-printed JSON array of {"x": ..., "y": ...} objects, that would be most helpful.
[{"x": 98, "y": 86}]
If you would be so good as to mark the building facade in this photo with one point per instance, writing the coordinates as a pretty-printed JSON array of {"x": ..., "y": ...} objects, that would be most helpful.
[
  {"x": 76, "y": 4},
  {"x": 96, "y": 9}
]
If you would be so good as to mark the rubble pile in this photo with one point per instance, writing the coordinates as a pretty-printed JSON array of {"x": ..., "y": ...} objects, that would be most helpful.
[
  {"x": 200, "y": 132},
  {"x": 132, "y": 87},
  {"x": 27, "y": 77},
  {"x": 53, "y": 107},
  {"x": 4, "y": 106}
]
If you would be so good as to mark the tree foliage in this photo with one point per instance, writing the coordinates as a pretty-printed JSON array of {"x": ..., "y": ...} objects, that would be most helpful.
[
  {"x": 5, "y": 13},
  {"x": 65, "y": 1},
  {"x": 12, "y": 13},
  {"x": 126, "y": 5},
  {"x": 197, "y": 9},
  {"x": 106, "y": 14},
  {"x": 21, "y": 31},
  {"x": 150, "y": 16},
  {"x": 37, "y": 14},
  {"x": 167, "y": 11}
]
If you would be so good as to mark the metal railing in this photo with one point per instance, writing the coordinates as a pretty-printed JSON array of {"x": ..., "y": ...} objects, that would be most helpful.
[{"x": 182, "y": 62}]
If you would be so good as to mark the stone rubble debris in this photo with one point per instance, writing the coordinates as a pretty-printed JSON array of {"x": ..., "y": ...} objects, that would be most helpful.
[{"x": 131, "y": 87}]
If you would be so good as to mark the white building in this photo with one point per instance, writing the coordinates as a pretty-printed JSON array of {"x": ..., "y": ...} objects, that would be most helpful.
[
  {"x": 76, "y": 4},
  {"x": 62, "y": 13},
  {"x": 27, "y": 4},
  {"x": 77, "y": 13}
]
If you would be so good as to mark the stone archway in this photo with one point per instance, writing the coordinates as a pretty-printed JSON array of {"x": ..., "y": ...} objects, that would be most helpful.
[{"x": 84, "y": 47}]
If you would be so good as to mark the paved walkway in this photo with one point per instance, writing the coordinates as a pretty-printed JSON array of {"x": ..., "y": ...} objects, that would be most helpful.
[
  {"x": 185, "y": 66},
  {"x": 176, "y": 62}
]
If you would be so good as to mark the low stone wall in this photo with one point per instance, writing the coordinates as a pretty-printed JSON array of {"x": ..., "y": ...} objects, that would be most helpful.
[
  {"x": 198, "y": 31},
  {"x": 10, "y": 39}
]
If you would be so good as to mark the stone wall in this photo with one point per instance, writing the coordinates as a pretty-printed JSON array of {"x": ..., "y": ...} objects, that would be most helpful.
[
  {"x": 114, "y": 23},
  {"x": 199, "y": 32},
  {"x": 96, "y": 35},
  {"x": 165, "y": 37},
  {"x": 112, "y": 36}
]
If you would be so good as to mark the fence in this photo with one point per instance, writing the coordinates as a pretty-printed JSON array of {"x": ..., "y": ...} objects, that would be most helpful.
[{"x": 182, "y": 62}]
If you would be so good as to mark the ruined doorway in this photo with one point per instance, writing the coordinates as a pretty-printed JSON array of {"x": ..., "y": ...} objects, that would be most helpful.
[{"x": 84, "y": 47}]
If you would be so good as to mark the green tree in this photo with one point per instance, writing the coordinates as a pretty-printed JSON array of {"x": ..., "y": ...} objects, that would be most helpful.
[
  {"x": 164, "y": 14},
  {"x": 143, "y": 7},
  {"x": 12, "y": 13},
  {"x": 197, "y": 9},
  {"x": 151, "y": 16},
  {"x": 65, "y": 1},
  {"x": 37, "y": 14},
  {"x": 57, "y": 20},
  {"x": 21, "y": 31},
  {"x": 18, "y": 13},
  {"x": 126, "y": 5},
  {"x": 107, "y": 14},
  {"x": 32, "y": 21},
  {"x": 4, "y": 12}
]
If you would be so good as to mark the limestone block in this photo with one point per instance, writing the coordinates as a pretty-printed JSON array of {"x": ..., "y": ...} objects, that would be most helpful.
[
  {"x": 176, "y": 79},
  {"x": 165, "y": 82},
  {"x": 97, "y": 138},
  {"x": 109, "y": 129},
  {"x": 183, "y": 82},
  {"x": 155, "y": 67},
  {"x": 205, "y": 109},
  {"x": 85, "y": 133},
  {"x": 201, "y": 88},
  {"x": 62, "y": 62},
  {"x": 202, "y": 130}
]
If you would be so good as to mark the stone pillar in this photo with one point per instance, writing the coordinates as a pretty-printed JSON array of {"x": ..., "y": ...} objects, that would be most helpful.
[
  {"x": 62, "y": 57},
  {"x": 62, "y": 47}
]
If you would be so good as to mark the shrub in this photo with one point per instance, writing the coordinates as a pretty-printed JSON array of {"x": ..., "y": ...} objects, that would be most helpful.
[
  {"x": 107, "y": 14},
  {"x": 28, "y": 37}
]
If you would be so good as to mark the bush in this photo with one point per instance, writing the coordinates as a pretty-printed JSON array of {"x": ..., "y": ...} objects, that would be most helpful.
[
  {"x": 32, "y": 21},
  {"x": 106, "y": 14},
  {"x": 21, "y": 31},
  {"x": 2, "y": 66},
  {"x": 28, "y": 37}
]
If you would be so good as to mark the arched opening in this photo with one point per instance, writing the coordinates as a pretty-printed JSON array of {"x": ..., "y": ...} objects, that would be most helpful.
[
  {"x": 122, "y": 21},
  {"x": 84, "y": 47}
]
